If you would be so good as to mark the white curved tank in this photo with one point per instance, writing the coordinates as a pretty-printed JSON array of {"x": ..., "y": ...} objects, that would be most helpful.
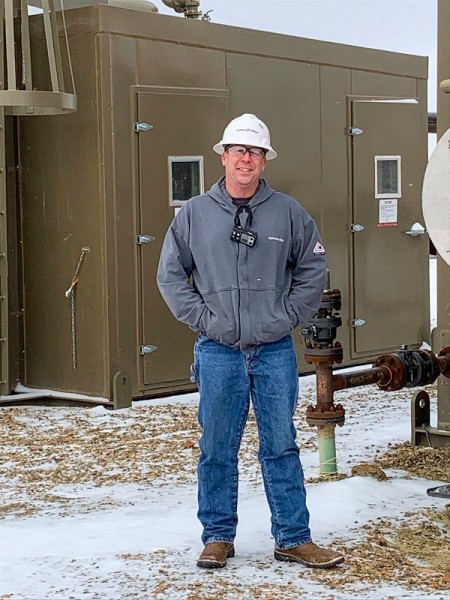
[
  {"x": 436, "y": 197},
  {"x": 142, "y": 5}
]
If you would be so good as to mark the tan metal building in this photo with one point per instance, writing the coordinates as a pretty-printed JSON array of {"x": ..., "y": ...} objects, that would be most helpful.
[{"x": 98, "y": 189}]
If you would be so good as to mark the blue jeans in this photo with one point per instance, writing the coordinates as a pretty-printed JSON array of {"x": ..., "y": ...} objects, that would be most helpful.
[{"x": 227, "y": 379}]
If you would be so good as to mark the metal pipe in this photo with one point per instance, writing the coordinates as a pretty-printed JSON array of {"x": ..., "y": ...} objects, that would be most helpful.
[
  {"x": 353, "y": 379},
  {"x": 391, "y": 372},
  {"x": 27, "y": 80},
  {"x": 327, "y": 449},
  {"x": 49, "y": 33},
  {"x": 10, "y": 45}
]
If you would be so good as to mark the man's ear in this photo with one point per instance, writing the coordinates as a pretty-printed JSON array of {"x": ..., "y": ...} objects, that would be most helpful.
[{"x": 223, "y": 158}]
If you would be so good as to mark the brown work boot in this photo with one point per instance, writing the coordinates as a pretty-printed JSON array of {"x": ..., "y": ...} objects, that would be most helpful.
[
  {"x": 310, "y": 555},
  {"x": 215, "y": 554}
]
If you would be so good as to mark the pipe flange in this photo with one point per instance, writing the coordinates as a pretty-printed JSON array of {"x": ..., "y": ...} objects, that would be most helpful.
[
  {"x": 314, "y": 352},
  {"x": 393, "y": 378},
  {"x": 331, "y": 299},
  {"x": 331, "y": 414},
  {"x": 324, "y": 360}
]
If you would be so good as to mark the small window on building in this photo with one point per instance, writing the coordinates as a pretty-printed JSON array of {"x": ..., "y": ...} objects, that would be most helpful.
[
  {"x": 388, "y": 177},
  {"x": 185, "y": 178}
]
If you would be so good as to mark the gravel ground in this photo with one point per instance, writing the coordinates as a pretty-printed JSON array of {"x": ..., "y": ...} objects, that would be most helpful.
[{"x": 43, "y": 449}]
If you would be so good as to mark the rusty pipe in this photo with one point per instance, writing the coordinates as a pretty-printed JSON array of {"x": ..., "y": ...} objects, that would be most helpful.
[
  {"x": 377, "y": 375},
  {"x": 327, "y": 383},
  {"x": 391, "y": 372}
]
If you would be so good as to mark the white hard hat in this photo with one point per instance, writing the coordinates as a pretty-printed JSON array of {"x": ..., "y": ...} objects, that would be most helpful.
[{"x": 247, "y": 130}]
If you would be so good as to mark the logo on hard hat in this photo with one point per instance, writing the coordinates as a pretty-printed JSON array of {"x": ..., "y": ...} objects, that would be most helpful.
[{"x": 248, "y": 129}]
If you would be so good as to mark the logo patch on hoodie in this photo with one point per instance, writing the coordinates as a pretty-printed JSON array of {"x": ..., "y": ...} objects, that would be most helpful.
[{"x": 319, "y": 249}]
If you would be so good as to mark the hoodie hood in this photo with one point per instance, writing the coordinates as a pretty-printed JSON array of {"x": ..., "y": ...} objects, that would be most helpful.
[{"x": 218, "y": 192}]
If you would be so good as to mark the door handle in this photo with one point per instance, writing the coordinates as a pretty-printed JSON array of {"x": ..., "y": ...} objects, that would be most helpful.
[{"x": 416, "y": 229}]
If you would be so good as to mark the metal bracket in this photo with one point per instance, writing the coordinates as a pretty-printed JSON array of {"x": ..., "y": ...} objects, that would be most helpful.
[
  {"x": 142, "y": 127},
  {"x": 121, "y": 388},
  {"x": 355, "y": 131},
  {"x": 144, "y": 239},
  {"x": 148, "y": 349},
  {"x": 355, "y": 227}
]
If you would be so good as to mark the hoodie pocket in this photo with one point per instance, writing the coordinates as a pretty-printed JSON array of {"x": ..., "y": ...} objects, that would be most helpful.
[
  {"x": 276, "y": 318},
  {"x": 291, "y": 312},
  {"x": 218, "y": 320}
]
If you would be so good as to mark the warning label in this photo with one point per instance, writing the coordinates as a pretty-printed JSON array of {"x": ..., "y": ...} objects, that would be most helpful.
[{"x": 387, "y": 213}]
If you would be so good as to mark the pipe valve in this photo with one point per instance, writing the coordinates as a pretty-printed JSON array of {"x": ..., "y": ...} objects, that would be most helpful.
[
  {"x": 412, "y": 368},
  {"x": 321, "y": 331}
]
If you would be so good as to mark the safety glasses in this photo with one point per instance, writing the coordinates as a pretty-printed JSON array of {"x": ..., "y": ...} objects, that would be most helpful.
[{"x": 241, "y": 151}]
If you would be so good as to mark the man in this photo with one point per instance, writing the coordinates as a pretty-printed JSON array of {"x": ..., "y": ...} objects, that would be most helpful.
[{"x": 243, "y": 265}]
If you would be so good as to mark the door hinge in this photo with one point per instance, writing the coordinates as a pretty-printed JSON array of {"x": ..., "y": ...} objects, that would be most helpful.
[
  {"x": 358, "y": 322},
  {"x": 140, "y": 126},
  {"x": 355, "y": 227},
  {"x": 148, "y": 349},
  {"x": 144, "y": 239},
  {"x": 355, "y": 131}
]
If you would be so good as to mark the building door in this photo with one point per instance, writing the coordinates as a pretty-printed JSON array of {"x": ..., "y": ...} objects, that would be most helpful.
[
  {"x": 175, "y": 162},
  {"x": 389, "y": 249}
]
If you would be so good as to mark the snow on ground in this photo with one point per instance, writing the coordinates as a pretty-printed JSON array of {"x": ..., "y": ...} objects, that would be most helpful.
[
  {"x": 101, "y": 505},
  {"x": 118, "y": 520}
]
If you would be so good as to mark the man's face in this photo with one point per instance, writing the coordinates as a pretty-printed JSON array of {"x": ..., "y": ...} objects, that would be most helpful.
[{"x": 242, "y": 170}]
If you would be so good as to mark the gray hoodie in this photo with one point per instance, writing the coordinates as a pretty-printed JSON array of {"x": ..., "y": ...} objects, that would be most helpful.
[{"x": 237, "y": 295}]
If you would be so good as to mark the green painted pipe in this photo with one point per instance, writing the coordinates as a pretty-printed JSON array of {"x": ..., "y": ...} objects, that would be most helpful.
[{"x": 327, "y": 449}]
